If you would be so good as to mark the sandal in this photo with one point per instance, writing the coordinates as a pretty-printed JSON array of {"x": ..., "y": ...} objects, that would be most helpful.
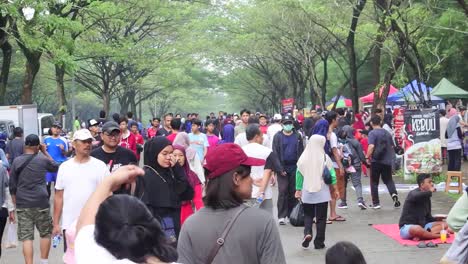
[
  {"x": 422, "y": 245},
  {"x": 432, "y": 245},
  {"x": 338, "y": 218},
  {"x": 328, "y": 221}
]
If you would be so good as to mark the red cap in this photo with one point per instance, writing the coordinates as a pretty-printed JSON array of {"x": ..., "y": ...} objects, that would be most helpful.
[{"x": 226, "y": 157}]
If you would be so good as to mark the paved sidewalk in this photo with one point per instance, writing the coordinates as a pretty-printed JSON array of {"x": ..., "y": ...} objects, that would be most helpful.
[{"x": 377, "y": 248}]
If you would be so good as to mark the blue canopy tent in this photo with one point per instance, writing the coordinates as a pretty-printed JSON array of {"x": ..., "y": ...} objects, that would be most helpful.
[{"x": 410, "y": 92}]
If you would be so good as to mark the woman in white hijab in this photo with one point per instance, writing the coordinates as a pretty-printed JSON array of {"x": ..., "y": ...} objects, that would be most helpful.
[{"x": 313, "y": 191}]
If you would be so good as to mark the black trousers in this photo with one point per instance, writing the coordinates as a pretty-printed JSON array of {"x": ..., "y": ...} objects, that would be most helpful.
[
  {"x": 319, "y": 211},
  {"x": 379, "y": 170},
  {"x": 3, "y": 221},
  {"x": 286, "y": 191},
  {"x": 454, "y": 160}
]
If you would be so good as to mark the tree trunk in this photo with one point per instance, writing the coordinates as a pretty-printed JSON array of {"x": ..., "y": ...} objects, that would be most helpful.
[
  {"x": 31, "y": 69},
  {"x": 106, "y": 103},
  {"x": 6, "y": 50},
  {"x": 59, "y": 80},
  {"x": 380, "y": 101},
  {"x": 464, "y": 6},
  {"x": 357, "y": 9}
]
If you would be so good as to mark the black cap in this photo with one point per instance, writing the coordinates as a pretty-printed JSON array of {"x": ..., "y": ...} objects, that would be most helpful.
[
  {"x": 32, "y": 140},
  {"x": 57, "y": 124},
  {"x": 92, "y": 122},
  {"x": 110, "y": 126},
  {"x": 288, "y": 119}
]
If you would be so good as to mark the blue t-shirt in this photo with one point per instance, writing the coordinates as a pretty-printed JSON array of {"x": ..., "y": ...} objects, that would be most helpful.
[
  {"x": 289, "y": 149},
  {"x": 54, "y": 150},
  {"x": 199, "y": 142}
]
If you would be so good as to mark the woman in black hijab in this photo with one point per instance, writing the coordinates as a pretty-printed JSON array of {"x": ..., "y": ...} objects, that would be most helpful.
[{"x": 165, "y": 185}]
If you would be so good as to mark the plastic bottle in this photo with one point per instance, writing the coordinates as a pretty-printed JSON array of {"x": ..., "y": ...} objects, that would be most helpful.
[
  {"x": 258, "y": 202},
  {"x": 56, "y": 241}
]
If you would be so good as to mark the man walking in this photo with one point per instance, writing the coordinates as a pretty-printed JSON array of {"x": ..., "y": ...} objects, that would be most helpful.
[
  {"x": 274, "y": 128},
  {"x": 15, "y": 147},
  {"x": 240, "y": 128},
  {"x": 93, "y": 127},
  {"x": 380, "y": 153},
  {"x": 153, "y": 130},
  {"x": 166, "y": 130},
  {"x": 260, "y": 174},
  {"x": 288, "y": 147},
  {"x": 198, "y": 140},
  {"x": 335, "y": 155},
  {"x": 29, "y": 193},
  {"x": 113, "y": 155},
  {"x": 77, "y": 179},
  {"x": 57, "y": 147}
]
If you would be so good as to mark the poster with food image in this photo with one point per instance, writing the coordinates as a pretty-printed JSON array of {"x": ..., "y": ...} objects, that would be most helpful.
[{"x": 422, "y": 143}]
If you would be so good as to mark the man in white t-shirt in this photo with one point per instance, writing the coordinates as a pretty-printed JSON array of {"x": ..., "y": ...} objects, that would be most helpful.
[
  {"x": 260, "y": 174},
  {"x": 77, "y": 179},
  {"x": 331, "y": 117},
  {"x": 274, "y": 128}
]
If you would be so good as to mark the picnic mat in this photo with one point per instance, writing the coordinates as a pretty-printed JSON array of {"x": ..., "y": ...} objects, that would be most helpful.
[{"x": 393, "y": 231}]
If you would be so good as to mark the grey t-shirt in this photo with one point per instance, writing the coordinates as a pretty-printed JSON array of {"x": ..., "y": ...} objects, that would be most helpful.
[
  {"x": 254, "y": 237},
  {"x": 14, "y": 149},
  {"x": 381, "y": 136},
  {"x": 30, "y": 186}
]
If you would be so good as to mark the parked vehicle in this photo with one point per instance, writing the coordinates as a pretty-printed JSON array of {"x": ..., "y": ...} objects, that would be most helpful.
[{"x": 26, "y": 117}]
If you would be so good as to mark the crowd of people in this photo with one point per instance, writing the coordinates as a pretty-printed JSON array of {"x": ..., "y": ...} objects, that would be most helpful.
[{"x": 207, "y": 181}]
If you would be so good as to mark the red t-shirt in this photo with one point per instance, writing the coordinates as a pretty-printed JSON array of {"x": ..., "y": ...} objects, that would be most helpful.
[
  {"x": 129, "y": 143},
  {"x": 152, "y": 132},
  {"x": 171, "y": 137},
  {"x": 139, "y": 140}
]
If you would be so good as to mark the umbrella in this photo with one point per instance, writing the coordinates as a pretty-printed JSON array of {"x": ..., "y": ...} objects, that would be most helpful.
[{"x": 342, "y": 103}]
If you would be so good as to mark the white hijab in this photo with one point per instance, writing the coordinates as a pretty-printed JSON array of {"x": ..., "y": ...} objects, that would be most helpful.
[{"x": 312, "y": 162}]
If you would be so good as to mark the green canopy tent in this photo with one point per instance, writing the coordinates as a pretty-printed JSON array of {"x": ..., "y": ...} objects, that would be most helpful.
[{"x": 448, "y": 90}]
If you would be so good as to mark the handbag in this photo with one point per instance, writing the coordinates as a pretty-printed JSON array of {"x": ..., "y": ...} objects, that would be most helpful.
[
  {"x": 168, "y": 226},
  {"x": 297, "y": 215},
  {"x": 327, "y": 178},
  {"x": 220, "y": 241}
]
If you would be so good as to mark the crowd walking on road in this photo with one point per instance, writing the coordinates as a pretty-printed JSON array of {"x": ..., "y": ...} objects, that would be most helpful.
[{"x": 186, "y": 190}]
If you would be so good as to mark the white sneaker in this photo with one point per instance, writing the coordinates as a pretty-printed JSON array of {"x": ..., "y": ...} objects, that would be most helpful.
[
  {"x": 281, "y": 221},
  {"x": 286, "y": 219}
]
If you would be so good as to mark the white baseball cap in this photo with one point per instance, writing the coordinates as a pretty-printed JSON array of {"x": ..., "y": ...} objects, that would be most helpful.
[
  {"x": 82, "y": 134},
  {"x": 277, "y": 117}
]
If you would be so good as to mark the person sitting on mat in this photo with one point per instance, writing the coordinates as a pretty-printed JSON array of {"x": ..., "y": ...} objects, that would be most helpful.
[{"x": 416, "y": 221}]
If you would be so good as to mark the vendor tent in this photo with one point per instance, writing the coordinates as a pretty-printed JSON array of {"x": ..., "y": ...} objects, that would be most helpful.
[
  {"x": 410, "y": 92},
  {"x": 370, "y": 97},
  {"x": 448, "y": 90}
]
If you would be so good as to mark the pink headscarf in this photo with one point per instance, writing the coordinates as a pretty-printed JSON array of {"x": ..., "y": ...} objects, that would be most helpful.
[
  {"x": 191, "y": 176},
  {"x": 182, "y": 139},
  {"x": 452, "y": 112}
]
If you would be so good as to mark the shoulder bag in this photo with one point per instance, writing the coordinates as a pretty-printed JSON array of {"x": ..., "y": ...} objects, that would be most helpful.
[
  {"x": 327, "y": 178},
  {"x": 220, "y": 241}
]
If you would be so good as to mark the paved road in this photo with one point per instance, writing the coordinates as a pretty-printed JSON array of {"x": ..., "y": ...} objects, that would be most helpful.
[{"x": 376, "y": 247}]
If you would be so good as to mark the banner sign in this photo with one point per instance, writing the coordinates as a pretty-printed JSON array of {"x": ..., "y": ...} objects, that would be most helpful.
[
  {"x": 399, "y": 125},
  {"x": 422, "y": 141},
  {"x": 287, "y": 105}
]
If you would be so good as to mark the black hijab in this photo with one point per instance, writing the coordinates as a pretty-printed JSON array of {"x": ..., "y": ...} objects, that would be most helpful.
[{"x": 151, "y": 151}]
